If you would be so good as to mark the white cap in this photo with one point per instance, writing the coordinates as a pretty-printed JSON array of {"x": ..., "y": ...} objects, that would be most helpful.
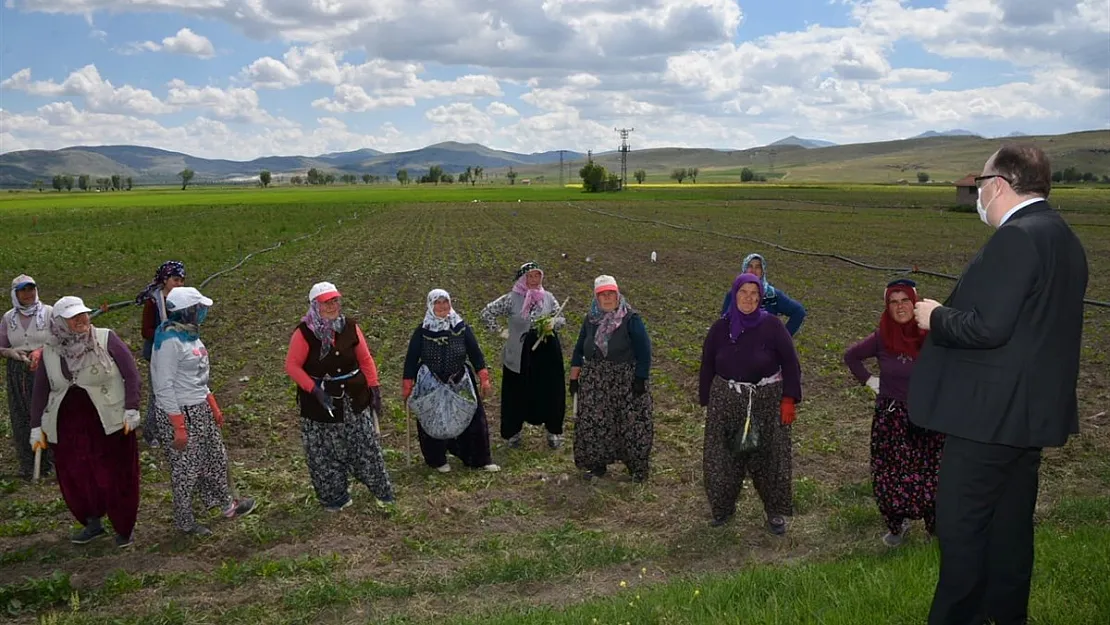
[
  {"x": 69, "y": 307},
  {"x": 183, "y": 297},
  {"x": 605, "y": 283},
  {"x": 323, "y": 291}
]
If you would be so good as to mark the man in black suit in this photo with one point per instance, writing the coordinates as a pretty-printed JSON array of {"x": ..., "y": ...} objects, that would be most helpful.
[{"x": 997, "y": 375}]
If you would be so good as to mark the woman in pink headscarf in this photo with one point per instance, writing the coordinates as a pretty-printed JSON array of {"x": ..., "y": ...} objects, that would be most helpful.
[{"x": 532, "y": 375}]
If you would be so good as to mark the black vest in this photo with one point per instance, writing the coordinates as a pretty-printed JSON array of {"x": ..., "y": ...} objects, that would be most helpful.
[
  {"x": 340, "y": 360},
  {"x": 620, "y": 343}
]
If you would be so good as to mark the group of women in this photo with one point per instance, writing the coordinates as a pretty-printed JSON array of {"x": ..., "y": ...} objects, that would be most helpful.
[{"x": 74, "y": 394}]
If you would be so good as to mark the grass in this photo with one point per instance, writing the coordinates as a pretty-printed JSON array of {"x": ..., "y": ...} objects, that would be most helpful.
[{"x": 533, "y": 535}]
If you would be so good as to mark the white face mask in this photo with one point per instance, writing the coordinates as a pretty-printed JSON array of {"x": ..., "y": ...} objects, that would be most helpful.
[{"x": 982, "y": 210}]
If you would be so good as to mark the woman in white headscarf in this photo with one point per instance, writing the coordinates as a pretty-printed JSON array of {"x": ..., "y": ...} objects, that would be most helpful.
[
  {"x": 338, "y": 395},
  {"x": 444, "y": 351},
  {"x": 532, "y": 387},
  {"x": 24, "y": 331}
]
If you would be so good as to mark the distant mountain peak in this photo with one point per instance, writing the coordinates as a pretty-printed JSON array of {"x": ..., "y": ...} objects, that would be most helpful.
[
  {"x": 955, "y": 132},
  {"x": 805, "y": 143}
]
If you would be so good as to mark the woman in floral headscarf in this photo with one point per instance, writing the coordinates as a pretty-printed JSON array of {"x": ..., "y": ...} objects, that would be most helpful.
[
  {"x": 905, "y": 458},
  {"x": 86, "y": 406},
  {"x": 446, "y": 345},
  {"x": 24, "y": 331},
  {"x": 170, "y": 275},
  {"x": 608, "y": 374},
  {"x": 532, "y": 374},
  {"x": 338, "y": 396}
]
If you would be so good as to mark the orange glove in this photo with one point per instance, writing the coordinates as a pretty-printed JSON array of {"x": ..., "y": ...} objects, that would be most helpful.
[
  {"x": 180, "y": 436},
  {"x": 486, "y": 387},
  {"x": 215, "y": 410},
  {"x": 36, "y": 358},
  {"x": 406, "y": 388},
  {"x": 789, "y": 412}
]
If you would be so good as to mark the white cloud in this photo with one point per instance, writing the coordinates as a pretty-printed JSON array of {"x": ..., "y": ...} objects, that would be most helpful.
[
  {"x": 353, "y": 99},
  {"x": 500, "y": 109},
  {"x": 234, "y": 104},
  {"x": 185, "y": 42},
  {"x": 99, "y": 93}
]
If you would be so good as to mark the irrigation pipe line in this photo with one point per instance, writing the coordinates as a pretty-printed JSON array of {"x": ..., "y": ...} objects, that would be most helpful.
[
  {"x": 115, "y": 305},
  {"x": 840, "y": 257}
]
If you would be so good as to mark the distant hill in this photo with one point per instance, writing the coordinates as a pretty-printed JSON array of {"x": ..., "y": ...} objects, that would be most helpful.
[
  {"x": 155, "y": 166},
  {"x": 944, "y": 156},
  {"x": 805, "y": 143},
  {"x": 956, "y": 132}
]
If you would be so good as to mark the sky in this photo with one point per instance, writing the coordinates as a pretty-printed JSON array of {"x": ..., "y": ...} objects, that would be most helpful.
[{"x": 240, "y": 79}]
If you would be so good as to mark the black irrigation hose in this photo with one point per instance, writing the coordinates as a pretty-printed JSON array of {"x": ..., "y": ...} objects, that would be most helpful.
[
  {"x": 115, "y": 305},
  {"x": 850, "y": 261}
]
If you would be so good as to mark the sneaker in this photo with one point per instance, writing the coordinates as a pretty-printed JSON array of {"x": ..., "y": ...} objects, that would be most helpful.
[
  {"x": 340, "y": 506},
  {"x": 446, "y": 468},
  {"x": 492, "y": 468},
  {"x": 554, "y": 441},
  {"x": 199, "y": 531},
  {"x": 89, "y": 533},
  {"x": 240, "y": 507},
  {"x": 776, "y": 525},
  {"x": 516, "y": 440},
  {"x": 891, "y": 539},
  {"x": 123, "y": 542}
]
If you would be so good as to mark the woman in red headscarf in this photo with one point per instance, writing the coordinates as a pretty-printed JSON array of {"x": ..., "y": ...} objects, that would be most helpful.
[{"x": 904, "y": 457}]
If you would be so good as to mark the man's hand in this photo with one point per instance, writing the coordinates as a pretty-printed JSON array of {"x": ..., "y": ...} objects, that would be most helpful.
[{"x": 923, "y": 310}]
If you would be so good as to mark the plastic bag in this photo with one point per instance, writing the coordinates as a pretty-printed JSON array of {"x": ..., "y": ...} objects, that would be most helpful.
[{"x": 444, "y": 410}]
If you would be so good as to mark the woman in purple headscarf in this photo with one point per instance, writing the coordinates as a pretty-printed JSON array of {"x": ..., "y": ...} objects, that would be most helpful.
[
  {"x": 750, "y": 382},
  {"x": 170, "y": 275}
]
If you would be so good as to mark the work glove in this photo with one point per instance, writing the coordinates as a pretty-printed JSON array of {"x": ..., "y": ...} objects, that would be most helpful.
[
  {"x": 376, "y": 399},
  {"x": 406, "y": 389},
  {"x": 873, "y": 384},
  {"x": 38, "y": 439},
  {"x": 130, "y": 421},
  {"x": 322, "y": 396},
  {"x": 639, "y": 387},
  {"x": 486, "y": 387},
  {"x": 789, "y": 412},
  {"x": 216, "y": 412},
  {"x": 180, "y": 436},
  {"x": 36, "y": 358}
]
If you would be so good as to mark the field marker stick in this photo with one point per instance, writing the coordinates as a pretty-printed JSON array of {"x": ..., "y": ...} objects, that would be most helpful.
[
  {"x": 408, "y": 433},
  {"x": 38, "y": 465}
]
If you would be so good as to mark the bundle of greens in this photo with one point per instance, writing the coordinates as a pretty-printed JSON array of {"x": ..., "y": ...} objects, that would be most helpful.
[{"x": 544, "y": 325}]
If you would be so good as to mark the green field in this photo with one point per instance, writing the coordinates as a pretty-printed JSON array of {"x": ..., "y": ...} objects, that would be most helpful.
[{"x": 534, "y": 543}]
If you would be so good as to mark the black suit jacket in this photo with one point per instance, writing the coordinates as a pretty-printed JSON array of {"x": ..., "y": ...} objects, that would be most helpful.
[{"x": 1001, "y": 360}]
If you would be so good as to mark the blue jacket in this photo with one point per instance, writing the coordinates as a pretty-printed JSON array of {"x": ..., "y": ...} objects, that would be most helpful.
[{"x": 777, "y": 304}]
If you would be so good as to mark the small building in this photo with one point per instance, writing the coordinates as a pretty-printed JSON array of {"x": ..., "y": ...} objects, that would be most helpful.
[{"x": 966, "y": 191}]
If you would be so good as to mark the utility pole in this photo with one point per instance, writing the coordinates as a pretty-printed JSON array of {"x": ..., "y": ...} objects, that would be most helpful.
[
  {"x": 624, "y": 153},
  {"x": 561, "y": 153}
]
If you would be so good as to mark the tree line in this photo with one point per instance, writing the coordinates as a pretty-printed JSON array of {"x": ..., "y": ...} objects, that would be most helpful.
[{"x": 85, "y": 182}]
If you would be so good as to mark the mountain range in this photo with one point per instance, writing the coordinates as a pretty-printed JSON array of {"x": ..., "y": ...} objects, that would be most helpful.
[{"x": 147, "y": 166}]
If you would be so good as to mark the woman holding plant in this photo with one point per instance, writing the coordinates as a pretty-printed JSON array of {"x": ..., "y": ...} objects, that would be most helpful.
[
  {"x": 24, "y": 331},
  {"x": 338, "y": 396},
  {"x": 608, "y": 375},
  {"x": 905, "y": 459},
  {"x": 532, "y": 360},
  {"x": 444, "y": 351},
  {"x": 750, "y": 382}
]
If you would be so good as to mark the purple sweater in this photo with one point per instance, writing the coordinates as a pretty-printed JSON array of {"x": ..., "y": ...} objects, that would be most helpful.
[
  {"x": 124, "y": 361},
  {"x": 894, "y": 371},
  {"x": 758, "y": 353}
]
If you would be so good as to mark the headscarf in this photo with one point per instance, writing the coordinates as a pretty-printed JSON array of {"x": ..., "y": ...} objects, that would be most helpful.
[
  {"x": 532, "y": 297},
  {"x": 765, "y": 286},
  {"x": 36, "y": 310},
  {"x": 607, "y": 322},
  {"x": 79, "y": 350},
  {"x": 901, "y": 339},
  {"x": 434, "y": 323},
  {"x": 169, "y": 269},
  {"x": 323, "y": 329},
  {"x": 183, "y": 324},
  {"x": 738, "y": 322}
]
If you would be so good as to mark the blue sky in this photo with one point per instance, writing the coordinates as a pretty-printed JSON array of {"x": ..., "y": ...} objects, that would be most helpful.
[{"x": 237, "y": 79}]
